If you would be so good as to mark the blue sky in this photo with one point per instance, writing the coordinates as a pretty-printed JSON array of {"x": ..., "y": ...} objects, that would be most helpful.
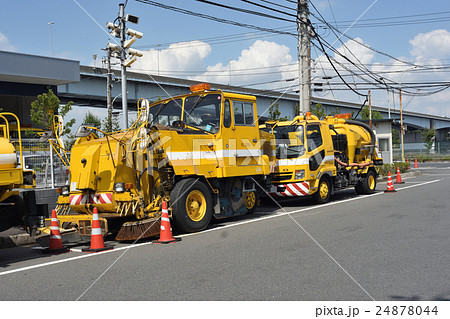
[{"x": 224, "y": 53}]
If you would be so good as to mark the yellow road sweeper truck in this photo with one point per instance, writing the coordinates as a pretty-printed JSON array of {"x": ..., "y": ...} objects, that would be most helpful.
[
  {"x": 316, "y": 157},
  {"x": 201, "y": 152},
  {"x": 12, "y": 175}
]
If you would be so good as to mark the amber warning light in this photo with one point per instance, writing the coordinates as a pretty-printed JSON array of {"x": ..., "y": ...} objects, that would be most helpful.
[
  {"x": 343, "y": 116},
  {"x": 200, "y": 87}
]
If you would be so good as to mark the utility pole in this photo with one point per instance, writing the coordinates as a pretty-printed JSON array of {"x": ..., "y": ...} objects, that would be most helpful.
[
  {"x": 108, "y": 91},
  {"x": 304, "y": 56},
  {"x": 370, "y": 111},
  {"x": 401, "y": 124},
  {"x": 123, "y": 51},
  {"x": 123, "y": 67}
]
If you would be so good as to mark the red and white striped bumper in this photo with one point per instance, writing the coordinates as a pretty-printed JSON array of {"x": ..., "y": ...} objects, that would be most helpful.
[
  {"x": 103, "y": 198},
  {"x": 292, "y": 190}
]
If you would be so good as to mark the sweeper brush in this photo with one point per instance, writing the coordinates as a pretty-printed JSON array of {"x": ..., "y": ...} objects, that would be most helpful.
[{"x": 139, "y": 229}]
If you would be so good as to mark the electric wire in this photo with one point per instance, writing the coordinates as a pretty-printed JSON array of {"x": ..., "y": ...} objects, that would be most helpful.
[{"x": 209, "y": 17}]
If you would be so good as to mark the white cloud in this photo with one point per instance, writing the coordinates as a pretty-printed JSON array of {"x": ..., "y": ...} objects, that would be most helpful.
[
  {"x": 431, "y": 45},
  {"x": 5, "y": 45},
  {"x": 177, "y": 59},
  {"x": 254, "y": 65}
]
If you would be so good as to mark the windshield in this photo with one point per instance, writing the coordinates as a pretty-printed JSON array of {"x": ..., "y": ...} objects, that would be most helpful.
[
  {"x": 290, "y": 141},
  {"x": 165, "y": 113},
  {"x": 203, "y": 111}
]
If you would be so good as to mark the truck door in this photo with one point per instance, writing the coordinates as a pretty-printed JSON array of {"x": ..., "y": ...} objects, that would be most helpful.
[
  {"x": 315, "y": 149},
  {"x": 241, "y": 149}
]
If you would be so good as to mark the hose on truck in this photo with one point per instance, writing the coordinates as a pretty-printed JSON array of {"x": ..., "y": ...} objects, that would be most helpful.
[{"x": 368, "y": 129}]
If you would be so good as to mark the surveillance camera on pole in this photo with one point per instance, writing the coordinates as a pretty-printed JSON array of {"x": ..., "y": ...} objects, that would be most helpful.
[
  {"x": 134, "y": 33},
  {"x": 115, "y": 29},
  {"x": 124, "y": 51}
]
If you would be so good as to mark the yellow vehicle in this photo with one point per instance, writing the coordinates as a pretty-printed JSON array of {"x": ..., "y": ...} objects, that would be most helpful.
[
  {"x": 12, "y": 176},
  {"x": 201, "y": 152},
  {"x": 316, "y": 157}
]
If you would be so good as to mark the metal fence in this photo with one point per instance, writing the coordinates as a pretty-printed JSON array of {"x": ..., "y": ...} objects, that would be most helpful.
[
  {"x": 50, "y": 170},
  {"x": 439, "y": 149}
]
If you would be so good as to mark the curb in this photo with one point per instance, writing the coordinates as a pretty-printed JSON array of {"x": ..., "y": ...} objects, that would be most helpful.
[
  {"x": 410, "y": 173},
  {"x": 16, "y": 240}
]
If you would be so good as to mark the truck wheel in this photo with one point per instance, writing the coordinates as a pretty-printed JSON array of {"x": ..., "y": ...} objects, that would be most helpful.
[
  {"x": 191, "y": 205},
  {"x": 323, "y": 193},
  {"x": 251, "y": 201},
  {"x": 16, "y": 212},
  {"x": 359, "y": 188},
  {"x": 369, "y": 183}
]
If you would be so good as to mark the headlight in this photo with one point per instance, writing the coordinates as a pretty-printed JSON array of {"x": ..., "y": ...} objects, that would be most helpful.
[
  {"x": 65, "y": 190},
  {"x": 119, "y": 187},
  {"x": 299, "y": 174}
]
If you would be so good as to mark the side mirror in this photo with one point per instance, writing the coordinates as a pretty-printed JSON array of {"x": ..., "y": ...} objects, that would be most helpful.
[
  {"x": 282, "y": 151},
  {"x": 144, "y": 110},
  {"x": 45, "y": 136},
  {"x": 83, "y": 131}
]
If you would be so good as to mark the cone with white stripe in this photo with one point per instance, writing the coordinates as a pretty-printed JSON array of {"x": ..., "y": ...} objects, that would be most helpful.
[
  {"x": 55, "y": 246},
  {"x": 97, "y": 243},
  {"x": 390, "y": 185},
  {"x": 399, "y": 177},
  {"x": 165, "y": 235}
]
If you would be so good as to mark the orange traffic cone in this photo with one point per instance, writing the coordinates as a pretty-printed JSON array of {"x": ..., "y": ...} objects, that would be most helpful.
[
  {"x": 97, "y": 243},
  {"x": 415, "y": 163},
  {"x": 407, "y": 166},
  {"x": 399, "y": 178},
  {"x": 165, "y": 236},
  {"x": 390, "y": 185},
  {"x": 56, "y": 246}
]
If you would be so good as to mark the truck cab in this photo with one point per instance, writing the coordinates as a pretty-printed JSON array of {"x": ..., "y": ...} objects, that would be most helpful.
[{"x": 308, "y": 154}]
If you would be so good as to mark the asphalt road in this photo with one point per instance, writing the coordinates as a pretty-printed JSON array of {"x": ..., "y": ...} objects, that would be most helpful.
[{"x": 386, "y": 246}]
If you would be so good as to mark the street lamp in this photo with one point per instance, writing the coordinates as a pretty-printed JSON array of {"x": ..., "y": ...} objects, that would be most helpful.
[
  {"x": 387, "y": 90},
  {"x": 51, "y": 35},
  {"x": 401, "y": 113}
]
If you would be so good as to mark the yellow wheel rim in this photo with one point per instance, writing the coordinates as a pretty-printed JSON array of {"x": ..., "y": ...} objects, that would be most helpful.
[
  {"x": 323, "y": 190},
  {"x": 250, "y": 200},
  {"x": 196, "y": 205},
  {"x": 371, "y": 182}
]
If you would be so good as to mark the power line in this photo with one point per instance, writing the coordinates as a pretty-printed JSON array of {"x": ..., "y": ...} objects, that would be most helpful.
[
  {"x": 244, "y": 10},
  {"x": 279, "y": 5},
  {"x": 269, "y": 8},
  {"x": 205, "y": 16}
]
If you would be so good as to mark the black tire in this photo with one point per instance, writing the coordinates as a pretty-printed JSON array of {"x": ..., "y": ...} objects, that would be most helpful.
[
  {"x": 369, "y": 182},
  {"x": 323, "y": 193},
  {"x": 12, "y": 215},
  {"x": 358, "y": 188},
  {"x": 251, "y": 201},
  {"x": 192, "y": 205}
]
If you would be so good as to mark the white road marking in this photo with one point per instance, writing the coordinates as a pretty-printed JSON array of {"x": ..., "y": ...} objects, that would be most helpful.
[
  {"x": 275, "y": 215},
  {"x": 71, "y": 258}
]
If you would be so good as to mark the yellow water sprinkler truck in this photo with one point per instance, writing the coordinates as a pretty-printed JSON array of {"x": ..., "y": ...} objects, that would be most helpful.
[
  {"x": 205, "y": 154},
  {"x": 316, "y": 157},
  {"x": 12, "y": 175}
]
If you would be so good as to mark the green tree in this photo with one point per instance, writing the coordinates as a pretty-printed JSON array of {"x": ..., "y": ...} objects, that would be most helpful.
[
  {"x": 296, "y": 109},
  {"x": 274, "y": 112},
  {"x": 111, "y": 126},
  {"x": 334, "y": 112},
  {"x": 395, "y": 137},
  {"x": 45, "y": 107},
  {"x": 92, "y": 120},
  {"x": 428, "y": 136},
  {"x": 318, "y": 110},
  {"x": 375, "y": 114}
]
